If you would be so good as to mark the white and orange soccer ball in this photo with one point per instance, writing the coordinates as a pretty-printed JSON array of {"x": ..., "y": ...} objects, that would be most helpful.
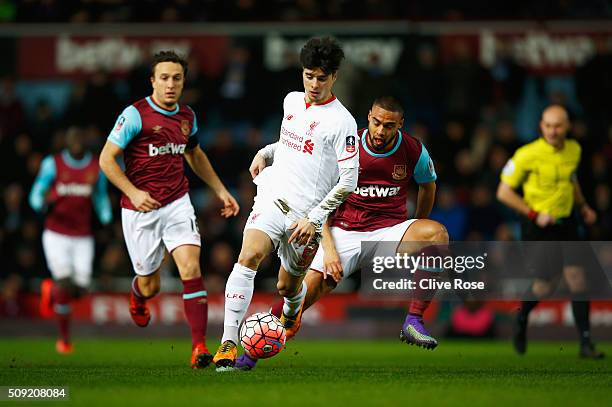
[{"x": 262, "y": 335}]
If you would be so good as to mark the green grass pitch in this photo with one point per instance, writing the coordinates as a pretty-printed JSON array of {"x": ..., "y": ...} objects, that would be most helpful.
[{"x": 155, "y": 372}]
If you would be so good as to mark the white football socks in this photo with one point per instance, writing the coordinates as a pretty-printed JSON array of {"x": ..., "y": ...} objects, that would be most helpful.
[
  {"x": 292, "y": 304},
  {"x": 238, "y": 294}
]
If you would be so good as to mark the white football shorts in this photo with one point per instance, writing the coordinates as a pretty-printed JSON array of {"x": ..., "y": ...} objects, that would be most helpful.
[
  {"x": 348, "y": 246},
  {"x": 69, "y": 256},
  {"x": 148, "y": 235},
  {"x": 268, "y": 218}
]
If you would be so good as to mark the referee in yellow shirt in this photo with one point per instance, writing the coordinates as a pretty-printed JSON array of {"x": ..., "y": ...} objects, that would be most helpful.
[{"x": 546, "y": 171}]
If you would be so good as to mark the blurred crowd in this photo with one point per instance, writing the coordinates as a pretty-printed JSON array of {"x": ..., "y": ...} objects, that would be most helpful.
[
  {"x": 118, "y": 11},
  {"x": 468, "y": 116}
]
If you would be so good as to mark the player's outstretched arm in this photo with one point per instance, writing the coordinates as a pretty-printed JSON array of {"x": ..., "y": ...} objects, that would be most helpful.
[
  {"x": 425, "y": 200},
  {"x": 200, "y": 164},
  {"x": 141, "y": 200}
]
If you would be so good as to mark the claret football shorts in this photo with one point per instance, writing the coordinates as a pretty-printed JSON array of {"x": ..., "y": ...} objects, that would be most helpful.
[{"x": 148, "y": 235}]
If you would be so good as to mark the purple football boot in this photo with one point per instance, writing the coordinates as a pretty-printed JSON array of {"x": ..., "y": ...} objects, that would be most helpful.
[
  {"x": 245, "y": 362},
  {"x": 414, "y": 332}
]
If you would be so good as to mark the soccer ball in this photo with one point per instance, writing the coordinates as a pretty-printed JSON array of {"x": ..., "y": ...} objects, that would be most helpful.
[{"x": 262, "y": 335}]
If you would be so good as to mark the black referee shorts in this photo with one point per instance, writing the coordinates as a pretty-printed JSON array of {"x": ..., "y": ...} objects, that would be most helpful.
[{"x": 545, "y": 252}]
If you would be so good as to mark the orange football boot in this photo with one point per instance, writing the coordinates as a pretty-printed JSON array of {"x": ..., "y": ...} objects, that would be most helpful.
[
  {"x": 200, "y": 356},
  {"x": 292, "y": 324},
  {"x": 226, "y": 355},
  {"x": 64, "y": 348}
]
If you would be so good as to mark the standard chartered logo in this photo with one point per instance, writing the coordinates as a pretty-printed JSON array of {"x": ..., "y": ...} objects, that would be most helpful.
[
  {"x": 377, "y": 191},
  {"x": 169, "y": 148}
]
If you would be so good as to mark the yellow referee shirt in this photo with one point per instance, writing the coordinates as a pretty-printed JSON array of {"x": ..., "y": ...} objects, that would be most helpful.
[{"x": 546, "y": 175}]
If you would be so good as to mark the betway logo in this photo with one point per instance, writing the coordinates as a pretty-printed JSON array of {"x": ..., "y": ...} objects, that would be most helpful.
[
  {"x": 377, "y": 191},
  {"x": 73, "y": 189},
  {"x": 169, "y": 148}
]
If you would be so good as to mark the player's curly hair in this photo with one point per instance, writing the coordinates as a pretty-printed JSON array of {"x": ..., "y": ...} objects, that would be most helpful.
[
  {"x": 168, "y": 56},
  {"x": 325, "y": 53}
]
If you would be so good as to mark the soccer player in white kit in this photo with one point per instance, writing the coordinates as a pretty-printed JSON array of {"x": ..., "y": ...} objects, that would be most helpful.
[
  {"x": 315, "y": 168},
  {"x": 390, "y": 160}
]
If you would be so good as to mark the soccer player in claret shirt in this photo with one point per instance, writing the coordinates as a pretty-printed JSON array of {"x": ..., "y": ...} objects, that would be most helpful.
[
  {"x": 68, "y": 186},
  {"x": 376, "y": 212},
  {"x": 154, "y": 134},
  {"x": 315, "y": 169}
]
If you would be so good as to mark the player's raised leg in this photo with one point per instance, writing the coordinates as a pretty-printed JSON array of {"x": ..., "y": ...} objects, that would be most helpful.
[
  {"x": 142, "y": 233},
  {"x": 195, "y": 302},
  {"x": 432, "y": 238},
  {"x": 256, "y": 245}
]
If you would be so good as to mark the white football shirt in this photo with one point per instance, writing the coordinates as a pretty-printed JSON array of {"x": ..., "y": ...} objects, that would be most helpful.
[{"x": 315, "y": 141}]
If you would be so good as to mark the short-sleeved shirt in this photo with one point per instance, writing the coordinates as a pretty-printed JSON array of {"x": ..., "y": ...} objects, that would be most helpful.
[
  {"x": 315, "y": 142},
  {"x": 379, "y": 201},
  {"x": 546, "y": 175},
  {"x": 72, "y": 188},
  {"x": 154, "y": 141}
]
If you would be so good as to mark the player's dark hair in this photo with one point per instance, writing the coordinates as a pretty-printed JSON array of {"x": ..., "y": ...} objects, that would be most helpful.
[
  {"x": 390, "y": 104},
  {"x": 168, "y": 56},
  {"x": 325, "y": 53}
]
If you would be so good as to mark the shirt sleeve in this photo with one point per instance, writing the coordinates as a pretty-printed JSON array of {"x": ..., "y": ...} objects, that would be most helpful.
[
  {"x": 333, "y": 199},
  {"x": 346, "y": 145},
  {"x": 424, "y": 171},
  {"x": 193, "y": 140},
  {"x": 515, "y": 170},
  {"x": 194, "y": 128},
  {"x": 101, "y": 202},
  {"x": 127, "y": 126},
  {"x": 43, "y": 182}
]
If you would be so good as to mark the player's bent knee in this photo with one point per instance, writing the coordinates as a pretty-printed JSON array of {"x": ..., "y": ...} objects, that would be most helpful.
[
  {"x": 440, "y": 234},
  {"x": 426, "y": 230},
  {"x": 432, "y": 231},
  {"x": 250, "y": 258}
]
